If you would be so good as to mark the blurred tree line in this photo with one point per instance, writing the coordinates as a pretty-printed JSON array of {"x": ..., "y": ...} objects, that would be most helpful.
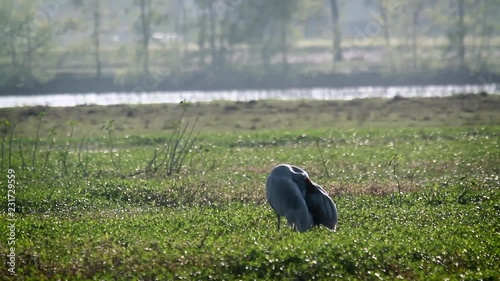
[{"x": 231, "y": 39}]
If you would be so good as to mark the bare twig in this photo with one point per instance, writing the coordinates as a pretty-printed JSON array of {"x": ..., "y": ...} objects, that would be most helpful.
[
  {"x": 83, "y": 164},
  {"x": 21, "y": 153},
  {"x": 52, "y": 133},
  {"x": 203, "y": 239},
  {"x": 6, "y": 124},
  {"x": 393, "y": 163},
  {"x": 37, "y": 139},
  {"x": 109, "y": 127},
  {"x": 172, "y": 155},
  {"x": 325, "y": 167},
  {"x": 10, "y": 144},
  {"x": 66, "y": 151}
]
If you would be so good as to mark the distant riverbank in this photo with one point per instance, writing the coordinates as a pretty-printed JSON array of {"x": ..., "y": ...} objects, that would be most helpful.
[
  {"x": 230, "y": 81},
  {"x": 112, "y": 98},
  {"x": 220, "y": 117}
]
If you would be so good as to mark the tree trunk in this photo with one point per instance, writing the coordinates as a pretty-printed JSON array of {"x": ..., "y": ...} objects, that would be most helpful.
[
  {"x": 385, "y": 23},
  {"x": 336, "y": 34},
  {"x": 284, "y": 46},
  {"x": 485, "y": 34},
  {"x": 183, "y": 29},
  {"x": 284, "y": 15},
  {"x": 415, "y": 17},
  {"x": 461, "y": 34},
  {"x": 13, "y": 54},
  {"x": 222, "y": 52},
  {"x": 145, "y": 20},
  {"x": 387, "y": 35},
  {"x": 211, "y": 39},
  {"x": 97, "y": 43},
  {"x": 15, "y": 67},
  {"x": 264, "y": 53},
  {"x": 201, "y": 37},
  {"x": 177, "y": 28},
  {"x": 27, "y": 61}
]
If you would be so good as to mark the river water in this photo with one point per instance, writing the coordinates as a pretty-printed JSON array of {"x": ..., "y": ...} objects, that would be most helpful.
[{"x": 68, "y": 100}]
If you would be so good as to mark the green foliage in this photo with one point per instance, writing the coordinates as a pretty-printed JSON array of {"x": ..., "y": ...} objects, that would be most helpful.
[
  {"x": 228, "y": 43},
  {"x": 109, "y": 127},
  {"x": 25, "y": 42},
  {"x": 168, "y": 159},
  {"x": 210, "y": 220},
  {"x": 53, "y": 157}
]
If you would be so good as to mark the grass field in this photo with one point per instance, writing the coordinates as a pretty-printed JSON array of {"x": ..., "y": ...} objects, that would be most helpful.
[{"x": 89, "y": 205}]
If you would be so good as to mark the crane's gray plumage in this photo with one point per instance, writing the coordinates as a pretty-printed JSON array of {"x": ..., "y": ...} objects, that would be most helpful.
[
  {"x": 302, "y": 202},
  {"x": 287, "y": 198},
  {"x": 321, "y": 206}
]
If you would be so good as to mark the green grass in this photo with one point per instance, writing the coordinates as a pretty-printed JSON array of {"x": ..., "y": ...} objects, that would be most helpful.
[
  {"x": 211, "y": 220},
  {"x": 263, "y": 116}
]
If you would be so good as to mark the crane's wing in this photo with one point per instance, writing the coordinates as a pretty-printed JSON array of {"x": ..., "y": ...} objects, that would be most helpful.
[{"x": 321, "y": 206}]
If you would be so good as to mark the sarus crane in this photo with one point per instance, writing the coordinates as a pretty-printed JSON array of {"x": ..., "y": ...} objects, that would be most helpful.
[{"x": 303, "y": 203}]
